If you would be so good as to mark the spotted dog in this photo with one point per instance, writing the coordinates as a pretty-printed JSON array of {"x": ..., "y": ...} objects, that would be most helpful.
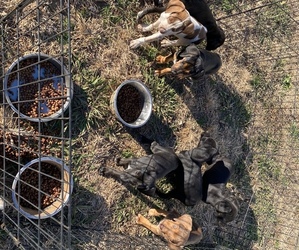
[
  {"x": 200, "y": 10},
  {"x": 174, "y": 21}
]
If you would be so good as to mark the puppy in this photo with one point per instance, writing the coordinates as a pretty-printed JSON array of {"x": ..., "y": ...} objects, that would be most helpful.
[
  {"x": 214, "y": 182},
  {"x": 176, "y": 21},
  {"x": 190, "y": 62},
  {"x": 187, "y": 178},
  {"x": 178, "y": 230},
  {"x": 190, "y": 186},
  {"x": 200, "y": 10},
  {"x": 143, "y": 172}
]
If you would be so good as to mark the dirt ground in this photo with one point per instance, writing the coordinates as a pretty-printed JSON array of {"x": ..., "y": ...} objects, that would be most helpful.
[{"x": 249, "y": 106}]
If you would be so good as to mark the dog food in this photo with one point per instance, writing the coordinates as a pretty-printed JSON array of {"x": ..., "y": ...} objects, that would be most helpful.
[
  {"x": 50, "y": 185},
  {"x": 36, "y": 98},
  {"x": 129, "y": 103}
]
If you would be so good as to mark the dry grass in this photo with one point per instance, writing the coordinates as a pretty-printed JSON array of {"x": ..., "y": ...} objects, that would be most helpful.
[{"x": 248, "y": 106}]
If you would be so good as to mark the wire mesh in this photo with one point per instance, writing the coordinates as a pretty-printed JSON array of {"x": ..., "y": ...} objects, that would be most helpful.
[
  {"x": 36, "y": 181},
  {"x": 266, "y": 44}
]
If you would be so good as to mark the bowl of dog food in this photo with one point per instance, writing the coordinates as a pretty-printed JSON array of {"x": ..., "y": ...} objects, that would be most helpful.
[
  {"x": 38, "y": 87},
  {"x": 132, "y": 103},
  {"x": 42, "y": 188}
]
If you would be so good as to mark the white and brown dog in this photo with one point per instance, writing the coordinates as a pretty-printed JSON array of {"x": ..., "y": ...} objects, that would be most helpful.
[
  {"x": 178, "y": 230},
  {"x": 176, "y": 21}
]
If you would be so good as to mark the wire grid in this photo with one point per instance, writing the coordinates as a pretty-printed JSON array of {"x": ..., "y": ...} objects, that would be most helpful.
[
  {"x": 268, "y": 47},
  {"x": 275, "y": 183},
  {"x": 25, "y": 31}
]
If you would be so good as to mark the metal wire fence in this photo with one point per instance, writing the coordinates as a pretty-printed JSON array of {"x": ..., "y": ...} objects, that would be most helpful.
[
  {"x": 266, "y": 45},
  {"x": 35, "y": 125}
]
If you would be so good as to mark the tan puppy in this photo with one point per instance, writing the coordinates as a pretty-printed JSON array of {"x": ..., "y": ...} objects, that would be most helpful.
[
  {"x": 178, "y": 230},
  {"x": 176, "y": 21}
]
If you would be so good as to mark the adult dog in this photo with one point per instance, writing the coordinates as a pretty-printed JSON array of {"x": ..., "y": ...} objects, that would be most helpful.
[
  {"x": 178, "y": 230},
  {"x": 143, "y": 172},
  {"x": 176, "y": 21},
  {"x": 200, "y": 10},
  {"x": 190, "y": 186},
  {"x": 189, "y": 62}
]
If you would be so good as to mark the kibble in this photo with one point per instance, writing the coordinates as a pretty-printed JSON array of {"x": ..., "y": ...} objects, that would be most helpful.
[
  {"x": 42, "y": 98},
  {"x": 129, "y": 103},
  {"x": 50, "y": 186}
]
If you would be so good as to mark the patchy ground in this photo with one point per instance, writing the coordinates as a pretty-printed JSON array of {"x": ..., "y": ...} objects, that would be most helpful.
[{"x": 249, "y": 106}]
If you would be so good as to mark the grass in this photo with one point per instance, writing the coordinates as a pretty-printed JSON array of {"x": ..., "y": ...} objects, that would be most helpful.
[{"x": 238, "y": 106}]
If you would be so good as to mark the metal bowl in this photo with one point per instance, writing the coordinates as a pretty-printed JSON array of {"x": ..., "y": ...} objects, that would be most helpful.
[
  {"x": 12, "y": 92},
  {"x": 147, "y": 104},
  {"x": 58, "y": 204}
]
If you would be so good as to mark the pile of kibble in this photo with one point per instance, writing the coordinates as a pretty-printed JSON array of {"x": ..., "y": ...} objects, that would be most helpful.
[
  {"x": 38, "y": 98},
  {"x": 25, "y": 147},
  {"x": 129, "y": 103},
  {"x": 49, "y": 186}
]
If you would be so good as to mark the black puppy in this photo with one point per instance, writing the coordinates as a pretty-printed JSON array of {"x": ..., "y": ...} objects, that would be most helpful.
[
  {"x": 187, "y": 178},
  {"x": 143, "y": 172},
  {"x": 199, "y": 9},
  {"x": 214, "y": 182},
  {"x": 190, "y": 186}
]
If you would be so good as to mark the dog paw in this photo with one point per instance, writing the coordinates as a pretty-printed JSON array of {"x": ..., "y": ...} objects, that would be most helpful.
[
  {"x": 140, "y": 27},
  {"x": 157, "y": 72},
  {"x": 102, "y": 170},
  {"x": 135, "y": 43},
  {"x": 152, "y": 212},
  {"x": 160, "y": 59}
]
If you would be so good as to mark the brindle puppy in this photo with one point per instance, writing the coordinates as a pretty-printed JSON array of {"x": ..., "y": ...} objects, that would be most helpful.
[{"x": 190, "y": 62}]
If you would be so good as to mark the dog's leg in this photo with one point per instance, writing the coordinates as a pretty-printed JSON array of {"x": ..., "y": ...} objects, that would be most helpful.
[
  {"x": 148, "y": 10},
  {"x": 165, "y": 59},
  {"x": 132, "y": 176},
  {"x": 141, "y": 220},
  {"x": 162, "y": 72},
  {"x": 168, "y": 43},
  {"x": 195, "y": 236},
  {"x": 150, "y": 27},
  {"x": 138, "y": 42},
  {"x": 157, "y": 212},
  {"x": 157, "y": 148},
  {"x": 123, "y": 161},
  {"x": 160, "y": 212}
]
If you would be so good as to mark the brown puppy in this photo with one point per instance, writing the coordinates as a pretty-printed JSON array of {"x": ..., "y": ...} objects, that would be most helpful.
[
  {"x": 190, "y": 62},
  {"x": 176, "y": 21},
  {"x": 178, "y": 230}
]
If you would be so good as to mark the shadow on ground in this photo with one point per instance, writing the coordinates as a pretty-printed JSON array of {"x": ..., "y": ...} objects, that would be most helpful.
[{"x": 220, "y": 109}]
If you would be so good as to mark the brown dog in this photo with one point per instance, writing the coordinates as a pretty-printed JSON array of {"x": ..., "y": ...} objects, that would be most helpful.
[
  {"x": 190, "y": 62},
  {"x": 174, "y": 21},
  {"x": 178, "y": 230}
]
